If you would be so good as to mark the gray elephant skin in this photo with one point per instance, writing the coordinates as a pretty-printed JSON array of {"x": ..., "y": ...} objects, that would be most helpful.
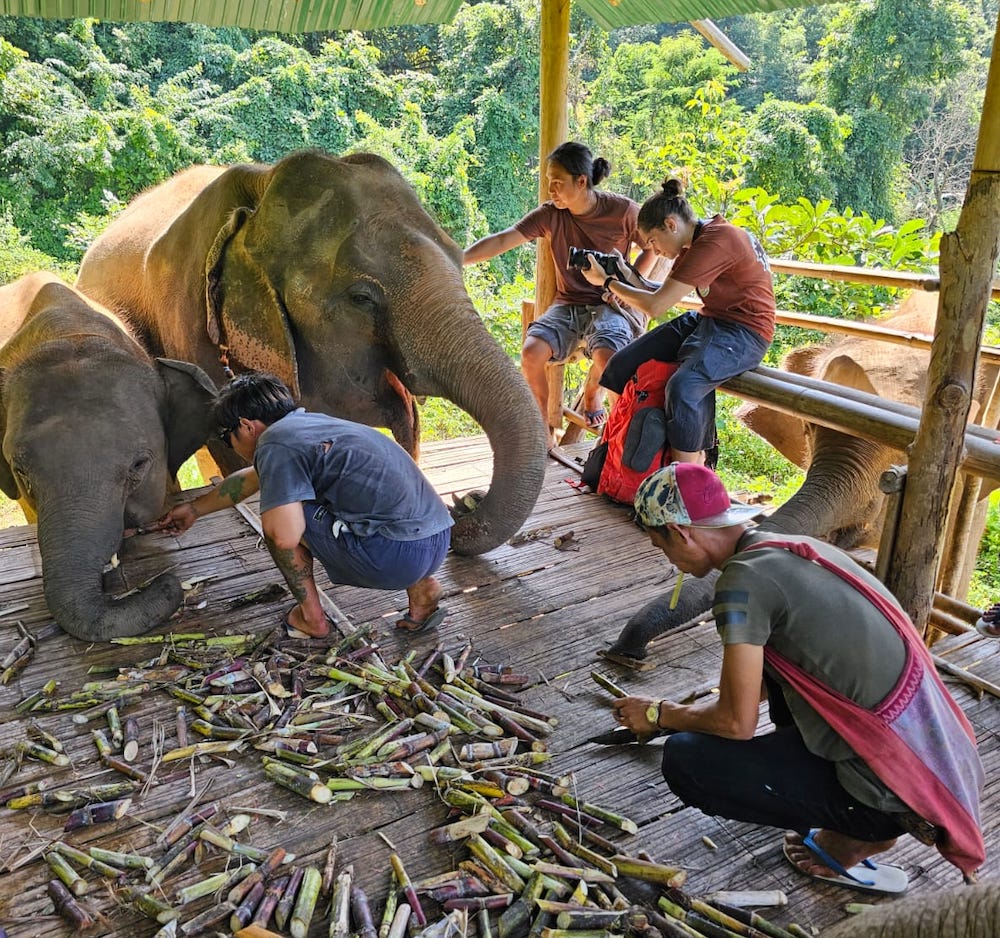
[
  {"x": 92, "y": 432},
  {"x": 329, "y": 273},
  {"x": 961, "y": 912},
  {"x": 839, "y": 499}
]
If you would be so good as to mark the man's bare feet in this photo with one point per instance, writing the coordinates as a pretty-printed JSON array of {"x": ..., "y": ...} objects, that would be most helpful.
[
  {"x": 845, "y": 850},
  {"x": 310, "y": 626}
]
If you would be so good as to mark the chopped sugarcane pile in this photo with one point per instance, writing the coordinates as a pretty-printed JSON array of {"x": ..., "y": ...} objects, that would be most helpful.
[{"x": 328, "y": 726}]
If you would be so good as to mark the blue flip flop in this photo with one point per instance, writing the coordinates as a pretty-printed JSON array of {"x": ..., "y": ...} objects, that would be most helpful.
[{"x": 865, "y": 876}]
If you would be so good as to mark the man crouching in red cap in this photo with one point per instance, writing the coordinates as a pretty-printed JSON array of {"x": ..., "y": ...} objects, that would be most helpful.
[{"x": 867, "y": 745}]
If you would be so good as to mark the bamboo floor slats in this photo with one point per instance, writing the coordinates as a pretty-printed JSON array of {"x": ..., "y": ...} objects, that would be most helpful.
[{"x": 540, "y": 610}]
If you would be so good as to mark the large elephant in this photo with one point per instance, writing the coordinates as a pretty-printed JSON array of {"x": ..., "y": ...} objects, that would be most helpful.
[
  {"x": 961, "y": 912},
  {"x": 839, "y": 499},
  {"x": 92, "y": 432},
  {"x": 329, "y": 273}
]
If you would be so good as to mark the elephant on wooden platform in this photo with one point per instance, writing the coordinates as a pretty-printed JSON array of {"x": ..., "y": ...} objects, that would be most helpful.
[
  {"x": 330, "y": 274},
  {"x": 839, "y": 499},
  {"x": 93, "y": 430}
]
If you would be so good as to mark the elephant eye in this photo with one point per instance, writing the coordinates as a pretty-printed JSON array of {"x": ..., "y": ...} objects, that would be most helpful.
[
  {"x": 366, "y": 295},
  {"x": 139, "y": 467}
]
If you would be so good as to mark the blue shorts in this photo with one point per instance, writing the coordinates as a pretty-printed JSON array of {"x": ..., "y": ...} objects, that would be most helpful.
[
  {"x": 563, "y": 328},
  {"x": 375, "y": 562}
]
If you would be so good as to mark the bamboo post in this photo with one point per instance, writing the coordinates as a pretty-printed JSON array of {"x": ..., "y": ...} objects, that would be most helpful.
[
  {"x": 552, "y": 128},
  {"x": 968, "y": 261},
  {"x": 965, "y": 527}
]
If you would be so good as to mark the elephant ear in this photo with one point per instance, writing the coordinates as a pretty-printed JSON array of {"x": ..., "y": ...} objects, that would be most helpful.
[
  {"x": 245, "y": 314},
  {"x": 7, "y": 481},
  {"x": 189, "y": 420},
  {"x": 787, "y": 434}
]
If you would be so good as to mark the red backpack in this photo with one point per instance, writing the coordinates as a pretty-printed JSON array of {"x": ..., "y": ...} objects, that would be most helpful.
[{"x": 634, "y": 442}]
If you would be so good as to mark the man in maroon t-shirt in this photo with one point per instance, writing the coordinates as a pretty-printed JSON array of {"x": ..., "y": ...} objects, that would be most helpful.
[{"x": 576, "y": 215}]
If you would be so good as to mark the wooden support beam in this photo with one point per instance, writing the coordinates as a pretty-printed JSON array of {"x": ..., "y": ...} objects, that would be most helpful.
[
  {"x": 968, "y": 264},
  {"x": 723, "y": 43},
  {"x": 552, "y": 129}
]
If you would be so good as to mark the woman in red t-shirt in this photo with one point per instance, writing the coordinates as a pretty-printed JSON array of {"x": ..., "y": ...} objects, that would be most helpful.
[{"x": 729, "y": 270}]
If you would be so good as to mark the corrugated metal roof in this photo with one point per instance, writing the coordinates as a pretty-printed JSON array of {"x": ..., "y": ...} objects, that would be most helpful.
[
  {"x": 284, "y": 16},
  {"x": 612, "y": 15},
  {"x": 299, "y": 16}
]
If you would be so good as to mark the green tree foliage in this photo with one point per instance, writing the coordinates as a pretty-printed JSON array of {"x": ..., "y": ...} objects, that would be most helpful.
[
  {"x": 875, "y": 67},
  {"x": 796, "y": 149}
]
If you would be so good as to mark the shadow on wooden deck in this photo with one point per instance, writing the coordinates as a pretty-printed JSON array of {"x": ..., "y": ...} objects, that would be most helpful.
[{"x": 541, "y": 610}]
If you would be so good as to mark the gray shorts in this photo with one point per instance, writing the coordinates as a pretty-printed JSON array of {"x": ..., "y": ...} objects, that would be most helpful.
[{"x": 565, "y": 327}]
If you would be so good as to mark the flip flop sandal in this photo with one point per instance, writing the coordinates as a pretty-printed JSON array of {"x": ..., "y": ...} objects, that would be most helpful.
[
  {"x": 865, "y": 876},
  {"x": 415, "y": 626},
  {"x": 596, "y": 419},
  {"x": 292, "y": 632}
]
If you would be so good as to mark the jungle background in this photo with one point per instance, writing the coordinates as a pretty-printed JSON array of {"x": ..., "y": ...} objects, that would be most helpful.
[{"x": 849, "y": 141}]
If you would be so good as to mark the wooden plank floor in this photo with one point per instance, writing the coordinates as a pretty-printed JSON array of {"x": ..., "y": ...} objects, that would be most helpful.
[{"x": 541, "y": 610}]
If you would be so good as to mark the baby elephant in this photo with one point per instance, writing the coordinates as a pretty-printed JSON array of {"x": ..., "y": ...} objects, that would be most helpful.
[{"x": 92, "y": 432}]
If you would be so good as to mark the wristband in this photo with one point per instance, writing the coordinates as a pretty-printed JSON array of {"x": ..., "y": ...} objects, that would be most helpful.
[{"x": 608, "y": 281}]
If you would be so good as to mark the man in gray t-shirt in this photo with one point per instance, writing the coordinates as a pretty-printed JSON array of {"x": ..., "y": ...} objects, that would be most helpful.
[
  {"x": 803, "y": 776},
  {"x": 331, "y": 489}
]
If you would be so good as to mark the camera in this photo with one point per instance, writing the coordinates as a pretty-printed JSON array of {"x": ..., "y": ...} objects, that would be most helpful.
[{"x": 607, "y": 262}]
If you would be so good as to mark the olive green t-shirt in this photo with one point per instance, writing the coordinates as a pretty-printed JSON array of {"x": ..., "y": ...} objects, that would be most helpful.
[{"x": 819, "y": 622}]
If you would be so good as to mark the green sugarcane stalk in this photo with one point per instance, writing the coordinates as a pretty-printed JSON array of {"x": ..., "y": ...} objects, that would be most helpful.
[
  {"x": 726, "y": 921},
  {"x": 86, "y": 861},
  {"x": 585, "y": 919},
  {"x": 576, "y": 933},
  {"x": 507, "y": 830},
  {"x": 670, "y": 876},
  {"x": 46, "y": 737},
  {"x": 483, "y": 924},
  {"x": 516, "y": 916},
  {"x": 115, "y": 726},
  {"x": 209, "y": 747},
  {"x": 29, "y": 748},
  {"x": 751, "y": 918},
  {"x": 573, "y": 872},
  {"x": 149, "y": 905},
  {"x": 300, "y": 783},
  {"x": 376, "y": 783},
  {"x": 73, "y": 881},
  {"x": 566, "y": 840},
  {"x": 177, "y": 852},
  {"x": 389, "y": 909},
  {"x": 129, "y": 861},
  {"x": 219, "y": 839},
  {"x": 305, "y": 902},
  {"x": 340, "y": 904},
  {"x": 605, "y": 814},
  {"x": 497, "y": 863},
  {"x": 202, "y": 888}
]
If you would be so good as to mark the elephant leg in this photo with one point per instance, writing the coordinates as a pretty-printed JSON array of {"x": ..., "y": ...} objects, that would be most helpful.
[{"x": 656, "y": 617}]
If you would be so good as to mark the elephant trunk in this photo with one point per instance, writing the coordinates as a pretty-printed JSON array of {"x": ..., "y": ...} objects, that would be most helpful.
[
  {"x": 840, "y": 495},
  {"x": 969, "y": 911},
  {"x": 75, "y": 543},
  {"x": 462, "y": 362}
]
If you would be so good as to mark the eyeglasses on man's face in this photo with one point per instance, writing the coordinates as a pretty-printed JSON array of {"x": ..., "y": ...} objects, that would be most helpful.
[{"x": 226, "y": 433}]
